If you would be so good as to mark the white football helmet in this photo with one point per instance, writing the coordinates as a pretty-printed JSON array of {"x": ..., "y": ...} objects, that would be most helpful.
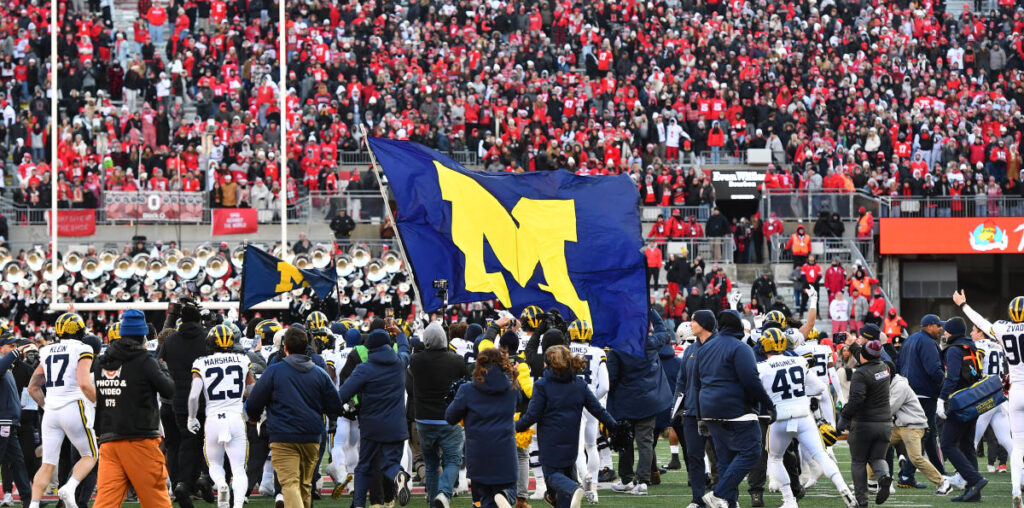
[
  {"x": 684, "y": 333},
  {"x": 794, "y": 338}
]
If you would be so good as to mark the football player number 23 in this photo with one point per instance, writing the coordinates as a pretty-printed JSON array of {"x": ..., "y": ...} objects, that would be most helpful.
[{"x": 235, "y": 378}]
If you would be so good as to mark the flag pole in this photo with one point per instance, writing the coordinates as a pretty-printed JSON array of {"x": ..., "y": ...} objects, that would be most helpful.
[{"x": 394, "y": 222}]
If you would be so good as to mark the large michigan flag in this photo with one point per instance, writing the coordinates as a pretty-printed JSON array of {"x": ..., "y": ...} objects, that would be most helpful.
[{"x": 551, "y": 239}]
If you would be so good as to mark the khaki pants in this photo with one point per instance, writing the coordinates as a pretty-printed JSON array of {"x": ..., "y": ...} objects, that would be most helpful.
[
  {"x": 294, "y": 464},
  {"x": 911, "y": 439},
  {"x": 138, "y": 462}
]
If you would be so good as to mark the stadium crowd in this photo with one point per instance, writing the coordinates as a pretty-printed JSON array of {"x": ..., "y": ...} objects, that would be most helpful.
[{"x": 894, "y": 99}]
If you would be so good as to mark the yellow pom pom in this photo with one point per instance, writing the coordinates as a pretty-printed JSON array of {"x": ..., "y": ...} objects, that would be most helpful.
[{"x": 524, "y": 438}]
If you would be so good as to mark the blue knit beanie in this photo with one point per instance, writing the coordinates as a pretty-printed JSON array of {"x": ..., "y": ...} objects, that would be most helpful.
[{"x": 133, "y": 323}]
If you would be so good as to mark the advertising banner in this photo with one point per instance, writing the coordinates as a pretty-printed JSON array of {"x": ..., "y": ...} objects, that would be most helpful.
[{"x": 952, "y": 235}]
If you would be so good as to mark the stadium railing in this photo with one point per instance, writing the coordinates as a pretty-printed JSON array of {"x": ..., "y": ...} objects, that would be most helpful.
[
  {"x": 979, "y": 205},
  {"x": 712, "y": 250},
  {"x": 807, "y": 205},
  {"x": 362, "y": 158},
  {"x": 827, "y": 249},
  {"x": 651, "y": 213}
]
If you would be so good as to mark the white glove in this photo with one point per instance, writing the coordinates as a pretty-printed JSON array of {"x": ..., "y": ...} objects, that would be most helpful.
[
  {"x": 735, "y": 296},
  {"x": 812, "y": 294},
  {"x": 193, "y": 424},
  {"x": 940, "y": 410}
]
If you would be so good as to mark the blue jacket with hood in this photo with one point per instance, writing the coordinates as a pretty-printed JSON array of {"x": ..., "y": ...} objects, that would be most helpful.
[
  {"x": 921, "y": 363},
  {"x": 637, "y": 384},
  {"x": 380, "y": 384},
  {"x": 296, "y": 394},
  {"x": 726, "y": 377},
  {"x": 557, "y": 409},
  {"x": 488, "y": 409}
]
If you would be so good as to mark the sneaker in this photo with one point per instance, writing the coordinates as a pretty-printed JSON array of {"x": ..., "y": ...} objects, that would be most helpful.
[
  {"x": 674, "y": 463},
  {"x": 267, "y": 490},
  {"x": 958, "y": 482},
  {"x": 8, "y": 500},
  {"x": 884, "y": 486},
  {"x": 1018, "y": 502},
  {"x": 848, "y": 498},
  {"x": 944, "y": 488},
  {"x": 500, "y": 500},
  {"x": 587, "y": 484},
  {"x": 279, "y": 501},
  {"x": 790, "y": 504},
  {"x": 223, "y": 496},
  {"x": 713, "y": 501},
  {"x": 441, "y": 501},
  {"x": 991, "y": 468},
  {"x": 607, "y": 475},
  {"x": 339, "y": 486},
  {"x": 184, "y": 499},
  {"x": 67, "y": 496},
  {"x": 402, "y": 486},
  {"x": 204, "y": 485},
  {"x": 550, "y": 498},
  {"x": 623, "y": 487},
  {"x": 577, "y": 499},
  {"x": 694, "y": 505},
  {"x": 1001, "y": 468},
  {"x": 590, "y": 496},
  {"x": 757, "y": 499},
  {"x": 639, "y": 490},
  {"x": 872, "y": 486},
  {"x": 911, "y": 485},
  {"x": 539, "y": 492}
]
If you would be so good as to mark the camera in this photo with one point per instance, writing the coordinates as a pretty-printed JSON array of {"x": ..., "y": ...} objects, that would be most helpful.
[
  {"x": 441, "y": 284},
  {"x": 839, "y": 339},
  {"x": 441, "y": 287}
]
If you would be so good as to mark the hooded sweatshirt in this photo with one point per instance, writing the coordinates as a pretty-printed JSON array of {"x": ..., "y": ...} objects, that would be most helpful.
[
  {"x": 380, "y": 384},
  {"x": 487, "y": 409},
  {"x": 296, "y": 393},
  {"x": 10, "y": 399},
  {"x": 557, "y": 408},
  {"x": 433, "y": 372},
  {"x": 180, "y": 351},
  {"x": 128, "y": 380}
]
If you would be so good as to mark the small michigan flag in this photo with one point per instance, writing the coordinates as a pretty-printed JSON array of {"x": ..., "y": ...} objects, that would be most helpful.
[
  {"x": 265, "y": 276},
  {"x": 551, "y": 239}
]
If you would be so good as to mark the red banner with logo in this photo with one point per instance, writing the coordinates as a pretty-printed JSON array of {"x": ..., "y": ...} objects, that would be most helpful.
[
  {"x": 73, "y": 222},
  {"x": 952, "y": 235},
  {"x": 153, "y": 206},
  {"x": 234, "y": 221}
]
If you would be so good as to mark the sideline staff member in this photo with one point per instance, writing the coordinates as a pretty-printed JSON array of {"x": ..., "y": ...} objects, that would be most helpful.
[
  {"x": 868, "y": 418},
  {"x": 128, "y": 380}
]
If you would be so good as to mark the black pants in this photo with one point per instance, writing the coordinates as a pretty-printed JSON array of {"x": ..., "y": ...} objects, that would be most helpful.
[
  {"x": 259, "y": 448},
  {"x": 12, "y": 457},
  {"x": 868, "y": 442},
  {"x": 652, "y": 276},
  {"x": 958, "y": 448},
  {"x": 190, "y": 453},
  {"x": 172, "y": 441},
  {"x": 28, "y": 436},
  {"x": 757, "y": 476}
]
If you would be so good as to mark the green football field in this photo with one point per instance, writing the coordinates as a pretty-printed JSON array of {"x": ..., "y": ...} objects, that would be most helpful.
[{"x": 674, "y": 493}]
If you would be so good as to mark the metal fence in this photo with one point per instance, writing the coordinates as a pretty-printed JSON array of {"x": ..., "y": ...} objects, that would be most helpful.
[
  {"x": 315, "y": 208},
  {"x": 711, "y": 250},
  {"x": 808, "y": 205},
  {"x": 362, "y": 158},
  {"x": 651, "y": 213},
  {"x": 827, "y": 249},
  {"x": 979, "y": 205}
]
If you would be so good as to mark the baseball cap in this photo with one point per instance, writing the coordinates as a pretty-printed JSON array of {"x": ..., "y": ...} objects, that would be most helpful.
[
  {"x": 8, "y": 340},
  {"x": 932, "y": 319}
]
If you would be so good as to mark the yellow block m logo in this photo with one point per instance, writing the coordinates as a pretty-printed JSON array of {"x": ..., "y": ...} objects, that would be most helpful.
[
  {"x": 535, "y": 232},
  {"x": 290, "y": 277}
]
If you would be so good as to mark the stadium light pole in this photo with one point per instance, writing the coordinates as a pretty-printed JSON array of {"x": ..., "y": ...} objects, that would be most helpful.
[
  {"x": 53, "y": 148},
  {"x": 282, "y": 57}
]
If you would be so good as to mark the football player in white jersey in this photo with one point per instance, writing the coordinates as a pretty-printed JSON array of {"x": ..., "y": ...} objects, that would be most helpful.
[
  {"x": 788, "y": 382},
  {"x": 821, "y": 364},
  {"x": 588, "y": 463},
  {"x": 1009, "y": 334},
  {"x": 224, "y": 379},
  {"x": 346, "y": 435},
  {"x": 69, "y": 406}
]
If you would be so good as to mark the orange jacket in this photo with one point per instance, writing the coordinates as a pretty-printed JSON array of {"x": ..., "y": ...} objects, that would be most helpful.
[
  {"x": 865, "y": 224},
  {"x": 801, "y": 245}
]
